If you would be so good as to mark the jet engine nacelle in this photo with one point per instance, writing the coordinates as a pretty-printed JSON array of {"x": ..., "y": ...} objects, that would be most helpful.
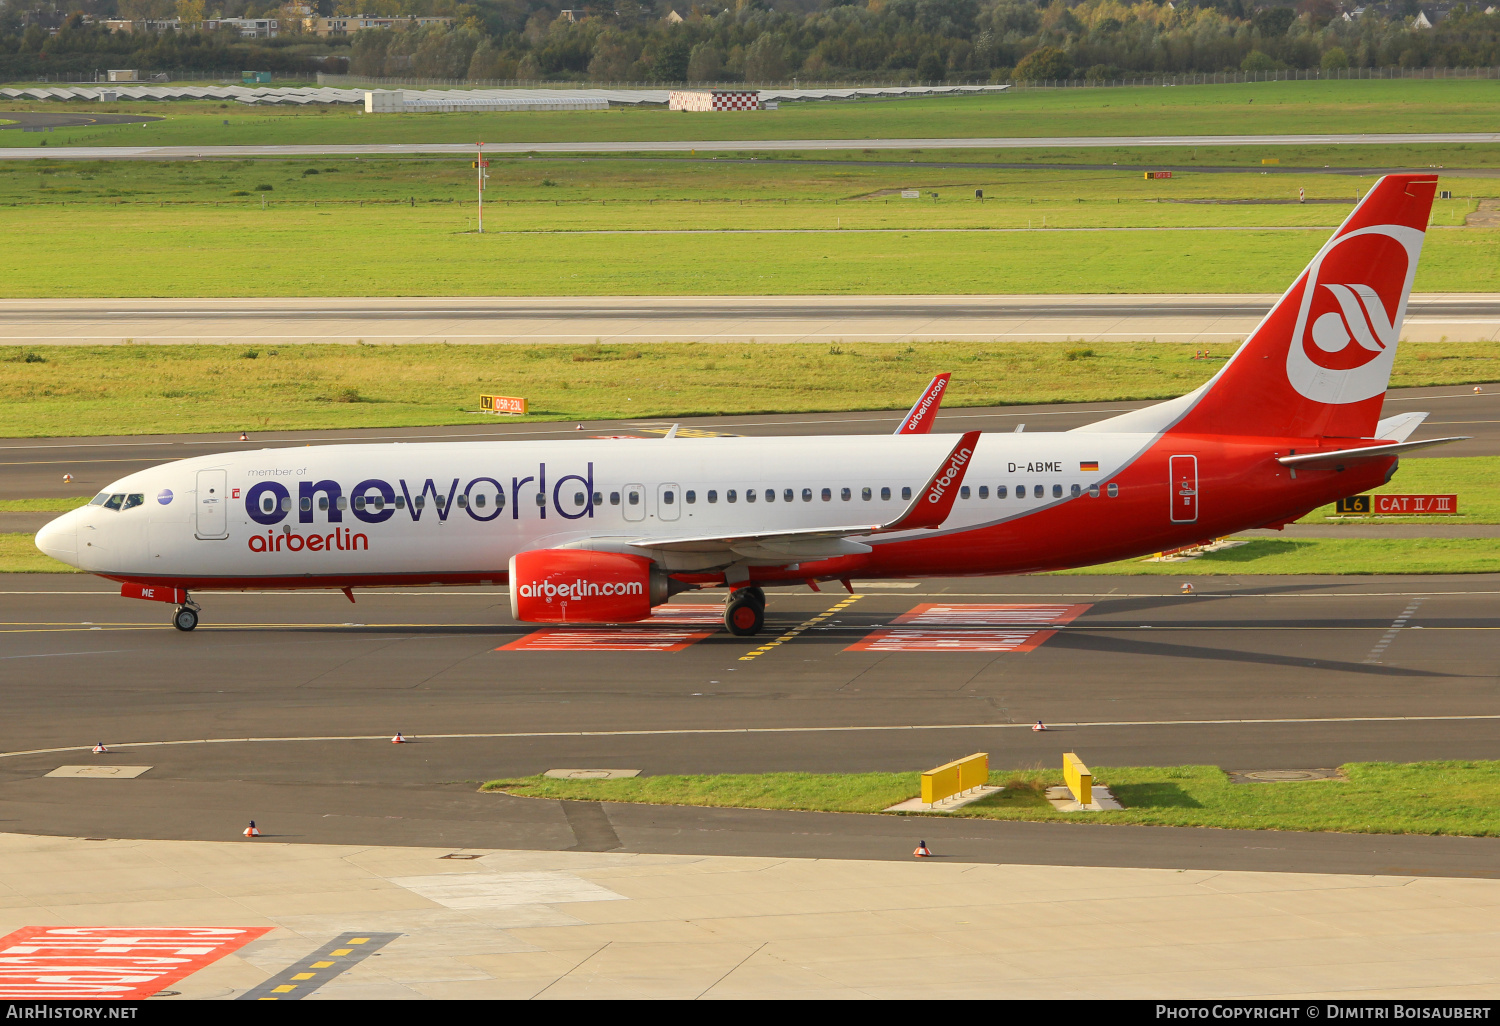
[{"x": 579, "y": 586}]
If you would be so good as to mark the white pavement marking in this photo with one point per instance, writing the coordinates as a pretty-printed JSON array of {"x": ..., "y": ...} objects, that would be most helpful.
[
  {"x": 1286, "y": 721},
  {"x": 1378, "y": 652},
  {"x": 502, "y": 890}
]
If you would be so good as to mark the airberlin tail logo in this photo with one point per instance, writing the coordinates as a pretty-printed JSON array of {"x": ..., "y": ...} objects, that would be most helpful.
[{"x": 1352, "y": 305}]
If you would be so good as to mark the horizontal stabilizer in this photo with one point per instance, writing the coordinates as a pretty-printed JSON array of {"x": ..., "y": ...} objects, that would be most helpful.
[
  {"x": 1400, "y": 427},
  {"x": 1366, "y": 453}
]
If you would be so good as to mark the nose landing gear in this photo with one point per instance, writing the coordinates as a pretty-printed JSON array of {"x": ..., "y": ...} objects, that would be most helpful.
[
  {"x": 745, "y": 612},
  {"x": 187, "y": 616}
]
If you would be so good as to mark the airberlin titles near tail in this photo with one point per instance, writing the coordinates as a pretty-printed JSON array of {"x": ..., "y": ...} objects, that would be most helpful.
[{"x": 600, "y": 531}]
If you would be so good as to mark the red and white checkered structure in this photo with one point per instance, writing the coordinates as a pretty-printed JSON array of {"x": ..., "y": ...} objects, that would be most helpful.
[{"x": 714, "y": 99}]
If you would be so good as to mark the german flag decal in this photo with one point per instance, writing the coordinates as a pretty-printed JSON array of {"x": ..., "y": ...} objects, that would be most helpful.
[{"x": 1089, "y": 465}]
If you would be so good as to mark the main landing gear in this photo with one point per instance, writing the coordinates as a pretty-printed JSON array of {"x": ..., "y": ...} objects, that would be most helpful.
[
  {"x": 187, "y": 616},
  {"x": 745, "y": 612}
]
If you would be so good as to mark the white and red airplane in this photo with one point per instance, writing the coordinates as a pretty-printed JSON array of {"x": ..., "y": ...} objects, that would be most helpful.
[{"x": 600, "y": 531}]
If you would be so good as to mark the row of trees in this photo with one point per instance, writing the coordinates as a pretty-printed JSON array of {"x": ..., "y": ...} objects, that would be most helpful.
[{"x": 893, "y": 40}]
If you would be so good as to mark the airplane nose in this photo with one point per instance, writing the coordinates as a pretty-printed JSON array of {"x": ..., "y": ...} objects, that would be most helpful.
[{"x": 59, "y": 539}]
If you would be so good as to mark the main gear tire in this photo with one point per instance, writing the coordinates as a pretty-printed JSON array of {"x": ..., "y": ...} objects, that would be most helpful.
[{"x": 744, "y": 617}]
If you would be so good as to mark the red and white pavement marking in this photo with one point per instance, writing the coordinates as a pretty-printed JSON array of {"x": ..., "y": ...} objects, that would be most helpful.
[
  {"x": 670, "y": 629},
  {"x": 110, "y": 963},
  {"x": 937, "y": 627}
]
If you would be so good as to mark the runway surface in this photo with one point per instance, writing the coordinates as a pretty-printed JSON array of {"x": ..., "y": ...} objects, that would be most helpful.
[
  {"x": 280, "y": 709},
  {"x": 34, "y": 467},
  {"x": 751, "y": 145},
  {"x": 1164, "y": 318},
  {"x": 68, "y": 119}
]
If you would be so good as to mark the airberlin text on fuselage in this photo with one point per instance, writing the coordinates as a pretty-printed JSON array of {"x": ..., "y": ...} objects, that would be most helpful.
[{"x": 342, "y": 540}]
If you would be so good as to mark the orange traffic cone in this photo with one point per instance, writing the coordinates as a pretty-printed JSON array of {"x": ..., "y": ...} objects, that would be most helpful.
[
  {"x": 398, "y": 739},
  {"x": 244, "y": 437},
  {"x": 1038, "y": 725},
  {"x": 922, "y": 852},
  {"x": 1187, "y": 587},
  {"x": 251, "y": 830},
  {"x": 99, "y": 749}
]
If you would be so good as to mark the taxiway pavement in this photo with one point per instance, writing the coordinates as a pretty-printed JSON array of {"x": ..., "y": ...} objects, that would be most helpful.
[
  {"x": 897, "y": 319},
  {"x": 280, "y": 709}
]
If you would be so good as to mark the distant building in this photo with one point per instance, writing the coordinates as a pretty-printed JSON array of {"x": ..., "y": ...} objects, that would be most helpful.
[
  {"x": 673, "y": 18},
  {"x": 249, "y": 28},
  {"x": 570, "y": 15},
  {"x": 344, "y": 25}
]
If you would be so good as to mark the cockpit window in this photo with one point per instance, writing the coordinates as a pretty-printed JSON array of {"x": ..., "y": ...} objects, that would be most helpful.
[
  {"x": 100, "y": 499},
  {"x": 113, "y": 502},
  {"x": 134, "y": 500}
]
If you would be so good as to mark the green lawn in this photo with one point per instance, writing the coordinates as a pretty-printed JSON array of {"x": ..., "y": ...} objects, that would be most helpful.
[
  {"x": 19, "y": 555},
  {"x": 42, "y": 505},
  {"x": 143, "y": 389},
  {"x": 1460, "y": 798},
  {"x": 1324, "y": 556},
  {"x": 1261, "y": 108},
  {"x": 428, "y": 251}
]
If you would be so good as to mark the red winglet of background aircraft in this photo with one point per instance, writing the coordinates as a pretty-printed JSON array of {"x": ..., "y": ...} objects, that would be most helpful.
[
  {"x": 933, "y": 504},
  {"x": 919, "y": 419}
]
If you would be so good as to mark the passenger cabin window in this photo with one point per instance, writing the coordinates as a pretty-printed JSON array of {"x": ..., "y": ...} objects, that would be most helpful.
[
  {"x": 690, "y": 496},
  {"x": 580, "y": 499},
  {"x": 750, "y": 494},
  {"x": 420, "y": 502},
  {"x": 132, "y": 501},
  {"x": 479, "y": 501},
  {"x": 267, "y": 504},
  {"x": 787, "y": 495},
  {"x": 633, "y": 498},
  {"x": 306, "y": 504},
  {"x": 845, "y": 494},
  {"x": 463, "y": 501},
  {"x": 885, "y": 494},
  {"x": 906, "y": 493},
  {"x": 667, "y": 497},
  {"x": 730, "y": 495},
  {"x": 806, "y": 495},
  {"x": 770, "y": 495},
  {"x": 598, "y": 499},
  {"x": 1057, "y": 491},
  {"x": 359, "y": 502},
  {"x": 1038, "y": 491},
  {"x": 713, "y": 495},
  {"x": 99, "y": 499},
  {"x": 1001, "y": 492},
  {"x": 614, "y": 498},
  {"x": 827, "y": 495},
  {"x": 963, "y": 491},
  {"x": 1076, "y": 491},
  {"x": 864, "y": 493},
  {"x": 401, "y": 501},
  {"x": 984, "y": 491},
  {"x": 343, "y": 502},
  {"x": 323, "y": 503},
  {"x": 1114, "y": 490},
  {"x": 1093, "y": 491},
  {"x": 541, "y": 499}
]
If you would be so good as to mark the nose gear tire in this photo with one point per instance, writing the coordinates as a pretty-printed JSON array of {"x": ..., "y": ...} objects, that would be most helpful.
[{"x": 186, "y": 619}]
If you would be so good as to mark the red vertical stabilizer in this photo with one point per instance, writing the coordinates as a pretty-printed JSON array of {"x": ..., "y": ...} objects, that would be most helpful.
[{"x": 1319, "y": 364}]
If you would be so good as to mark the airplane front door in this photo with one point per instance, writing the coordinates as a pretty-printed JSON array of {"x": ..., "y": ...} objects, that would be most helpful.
[
  {"x": 212, "y": 506},
  {"x": 1183, "y": 474}
]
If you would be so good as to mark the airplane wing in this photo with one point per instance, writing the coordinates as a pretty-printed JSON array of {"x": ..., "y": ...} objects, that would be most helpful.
[
  {"x": 1399, "y": 427},
  {"x": 919, "y": 419},
  {"x": 928, "y": 510},
  {"x": 1368, "y": 452}
]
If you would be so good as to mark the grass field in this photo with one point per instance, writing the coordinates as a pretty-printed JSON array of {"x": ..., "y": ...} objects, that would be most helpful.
[
  {"x": 142, "y": 389},
  {"x": 1460, "y": 798},
  {"x": 1474, "y": 479},
  {"x": 1260, "y": 108},
  {"x": 396, "y": 251},
  {"x": 19, "y": 555}
]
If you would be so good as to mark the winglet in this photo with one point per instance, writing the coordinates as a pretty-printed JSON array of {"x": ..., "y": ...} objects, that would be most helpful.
[
  {"x": 919, "y": 419},
  {"x": 935, "y": 501}
]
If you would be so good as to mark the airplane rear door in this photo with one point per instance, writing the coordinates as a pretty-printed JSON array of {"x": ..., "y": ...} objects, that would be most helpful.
[
  {"x": 213, "y": 505},
  {"x": 1184, "y": 489}
]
